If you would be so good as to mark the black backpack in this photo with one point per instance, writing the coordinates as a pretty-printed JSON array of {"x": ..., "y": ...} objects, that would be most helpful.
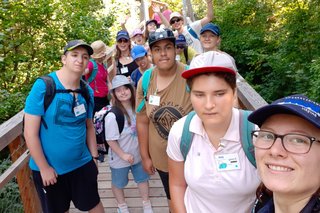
[{"x": 99, "y": 125}]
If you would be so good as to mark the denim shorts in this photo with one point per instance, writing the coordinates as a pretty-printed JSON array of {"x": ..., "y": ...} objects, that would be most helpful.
[{"x": 120, "y": 175}]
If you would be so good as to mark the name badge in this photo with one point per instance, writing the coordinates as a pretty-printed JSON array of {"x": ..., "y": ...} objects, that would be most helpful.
[
  {"x": 227, "y": 162},
  {"x": 79, "y": 110},
  {"x": 154, "y": 100},
  {"x": 124, "y": 70}
]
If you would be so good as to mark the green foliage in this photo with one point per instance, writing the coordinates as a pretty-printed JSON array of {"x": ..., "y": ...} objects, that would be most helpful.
[
  {"x": 10, "y": 104},
  {"x": 275, "y": 44},
  {"x": 9, "y": 195},
  {"x": 32, "y": 37}
]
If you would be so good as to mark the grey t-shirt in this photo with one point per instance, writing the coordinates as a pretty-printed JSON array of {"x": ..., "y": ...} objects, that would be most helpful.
[{"x": 128, "y": 140}]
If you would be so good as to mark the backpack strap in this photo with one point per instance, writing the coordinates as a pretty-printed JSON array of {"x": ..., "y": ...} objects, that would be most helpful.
[
  {"x": 94, "y": 71},
  {"x": 246, "y": 129},
  {"x": 145, "y": 86},
  {"x": 192, "y": 32},
  {"x": 119, "y": 117},
  {"x": 185, "y": 52},
  {"x": 50, "y": 91},
  {"x": 187, "y": 136}
]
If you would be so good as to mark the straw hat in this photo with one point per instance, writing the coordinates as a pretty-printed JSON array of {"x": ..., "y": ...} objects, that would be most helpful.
[{"x": 99, "y": 49}]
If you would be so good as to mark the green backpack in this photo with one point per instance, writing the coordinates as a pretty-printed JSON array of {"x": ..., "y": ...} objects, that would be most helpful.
[
  {"x": 246, "y": 128},
  {"x": 145, "y": 86}
]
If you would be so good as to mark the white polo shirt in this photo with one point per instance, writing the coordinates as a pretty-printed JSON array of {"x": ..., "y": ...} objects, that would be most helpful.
[{"x": 211, "y": 190}]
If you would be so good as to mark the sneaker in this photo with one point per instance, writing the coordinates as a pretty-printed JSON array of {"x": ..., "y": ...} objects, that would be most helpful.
[
  {"x": 147, "y": 208},
  {"x": 123, "y": 208}
]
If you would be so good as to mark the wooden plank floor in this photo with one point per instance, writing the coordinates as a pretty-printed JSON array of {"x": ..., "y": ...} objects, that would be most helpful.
[{"x": 157, "y": 194}]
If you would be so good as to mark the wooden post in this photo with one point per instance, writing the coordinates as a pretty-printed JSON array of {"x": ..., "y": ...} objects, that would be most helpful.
[{"x": 28, "y": 193}]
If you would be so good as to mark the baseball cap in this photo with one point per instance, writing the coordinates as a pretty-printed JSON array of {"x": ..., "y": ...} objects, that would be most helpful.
[
  {"x": 136, "y": 32},
  {"x": 151, "y": 20},
  {"x": 181, "y": 40},
  {"x": 212, "y": 28},
  {"x": 119, "y": 80},
  {"x": 298, "y": 105},
  {"x": 122, "y": 34},
  {"x": 161, "y": 34},
  {"x": 175, "y": 14},
  {"x": 211, "y": 61},
  {"x": 138, "y": 51},
  {"x": 77, "y": 43}
]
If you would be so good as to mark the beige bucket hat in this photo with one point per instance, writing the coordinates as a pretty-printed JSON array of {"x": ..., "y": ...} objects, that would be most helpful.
[{"x": 99, "y": 49}]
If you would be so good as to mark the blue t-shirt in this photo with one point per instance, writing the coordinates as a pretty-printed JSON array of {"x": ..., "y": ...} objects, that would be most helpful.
[
  {"x": 64, "y": 142},
  {"x": 135, "y": 76}
]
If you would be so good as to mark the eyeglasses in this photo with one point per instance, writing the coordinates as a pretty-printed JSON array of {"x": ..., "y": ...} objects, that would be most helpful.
[
  {"x": 291, "y": 142},
  {"x": 122, "y": 41},
  {"x": 180, "y": 46},
  {"x": 174, "y": 20}
]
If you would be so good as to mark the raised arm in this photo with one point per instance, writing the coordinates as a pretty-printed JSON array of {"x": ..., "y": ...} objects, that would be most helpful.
[
  {"x": 157, "y": 10},
  {"x": 208, "y": 18}
]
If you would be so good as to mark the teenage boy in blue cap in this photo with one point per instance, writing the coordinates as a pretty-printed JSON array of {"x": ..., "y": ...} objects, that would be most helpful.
[
  {"x": 139, "y": 55},
  {"x": 61, "y": 138},
  {"x": 210, "y": 39}
]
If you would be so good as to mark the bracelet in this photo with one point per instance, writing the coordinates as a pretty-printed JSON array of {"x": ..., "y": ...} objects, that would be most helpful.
[{"x": 96, "y": 158}]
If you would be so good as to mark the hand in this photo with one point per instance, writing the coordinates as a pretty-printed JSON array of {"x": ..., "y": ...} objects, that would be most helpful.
[
  {"x": 49, "y": 176},
  {"x": 148, "y": 166},
  {"x": 156, "y": 8},
  {"x": 128, "y": 158}
]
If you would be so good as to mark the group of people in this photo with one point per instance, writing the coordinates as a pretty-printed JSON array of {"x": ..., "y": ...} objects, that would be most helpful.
[{"x": 179, "y": 121}]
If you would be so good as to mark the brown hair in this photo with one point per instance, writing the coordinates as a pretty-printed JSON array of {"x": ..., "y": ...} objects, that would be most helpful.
[
  {"x": 118, "y": 51},
  {"x": 229, "y": 78},
  {"x": 117, "y": 103}
]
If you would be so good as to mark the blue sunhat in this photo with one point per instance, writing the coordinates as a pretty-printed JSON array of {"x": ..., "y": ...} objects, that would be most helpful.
[{"x": 298, "y": 105}]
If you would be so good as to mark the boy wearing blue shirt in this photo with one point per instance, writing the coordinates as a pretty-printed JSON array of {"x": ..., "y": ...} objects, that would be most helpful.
[{"x": 61, "y": 138}]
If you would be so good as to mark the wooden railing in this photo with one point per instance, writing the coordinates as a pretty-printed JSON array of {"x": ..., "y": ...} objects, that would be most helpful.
[{"x": 11, "y": 136}]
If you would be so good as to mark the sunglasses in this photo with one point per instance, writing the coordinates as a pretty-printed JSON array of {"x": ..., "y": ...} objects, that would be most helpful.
[
  {"x": 180, "y": 46},
  {"x": 175, "y": 20},
  {"x": 122, "y": 41}
]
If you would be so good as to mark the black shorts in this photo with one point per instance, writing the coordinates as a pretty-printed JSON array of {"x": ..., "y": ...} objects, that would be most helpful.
[
  {"x": 164, "y": 176},
  {"x": 79, "y": 186}
]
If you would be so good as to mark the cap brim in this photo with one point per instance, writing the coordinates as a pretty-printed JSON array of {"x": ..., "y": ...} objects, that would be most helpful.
[
  {"x": 173, "y": 40},
  {"x": 139, "y": 56},
  {"x": 123, "y": 37},
  {"x": 192, "y": 72},
  {"x": 87, "y": 47},
  {"x": 214, "y": 32},
  {"x": 260, "y": 115}
]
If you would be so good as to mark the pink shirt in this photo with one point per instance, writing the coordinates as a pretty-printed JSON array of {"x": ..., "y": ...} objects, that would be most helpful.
[
  {"x": 210, "y": 190},
  {"x": 99, "y": 84}
]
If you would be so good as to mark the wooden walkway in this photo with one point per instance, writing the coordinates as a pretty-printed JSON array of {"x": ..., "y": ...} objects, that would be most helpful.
[{"x": 157, "y": 194}]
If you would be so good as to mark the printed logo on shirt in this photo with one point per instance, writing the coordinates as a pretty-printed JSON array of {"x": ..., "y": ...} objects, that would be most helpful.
[
  {"x": 64, "y": 114},
  {"x": 164, "y": 116}
]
